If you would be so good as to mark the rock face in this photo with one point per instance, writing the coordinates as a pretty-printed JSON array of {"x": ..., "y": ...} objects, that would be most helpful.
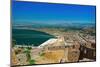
[
  {"x": 20, "y": 58},
  {"x": 74, "y": 53},
  {"x": 14, "y": 60},
  {"x": 86, "y": 52}
]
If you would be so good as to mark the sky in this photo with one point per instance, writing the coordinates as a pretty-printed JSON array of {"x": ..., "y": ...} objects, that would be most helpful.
[{"x": 27, "y": 12}]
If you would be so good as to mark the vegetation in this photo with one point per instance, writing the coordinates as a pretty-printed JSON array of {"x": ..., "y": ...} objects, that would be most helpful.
[
  {"x": 32, "y": 61},
  {"x": 27, "y": 54},
  {"x": 29, "y": 48},
  {"x": 27, "y": 51},
  {"x": 42, "y": 54}
]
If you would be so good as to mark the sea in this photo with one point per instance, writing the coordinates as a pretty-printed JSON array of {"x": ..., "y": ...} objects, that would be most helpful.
[{"x": 29, "y": 37}]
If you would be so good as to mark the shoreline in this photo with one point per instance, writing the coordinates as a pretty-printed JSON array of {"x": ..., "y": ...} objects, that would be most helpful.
[{"x": 32, "y": 45}]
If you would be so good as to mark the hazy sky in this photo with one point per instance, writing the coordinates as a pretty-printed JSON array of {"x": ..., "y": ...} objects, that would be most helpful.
[{"x": 43, "y": 12}]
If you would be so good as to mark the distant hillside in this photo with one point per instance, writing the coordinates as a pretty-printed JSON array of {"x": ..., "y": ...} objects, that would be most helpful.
[{"x": 73, "y": 26}]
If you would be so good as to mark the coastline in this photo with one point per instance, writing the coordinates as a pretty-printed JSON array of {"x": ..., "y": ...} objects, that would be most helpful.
[{"x": 33, "y": 45}]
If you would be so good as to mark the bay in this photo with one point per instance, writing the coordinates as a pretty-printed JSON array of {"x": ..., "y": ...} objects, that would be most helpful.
[{"x": 29, "y": 37}]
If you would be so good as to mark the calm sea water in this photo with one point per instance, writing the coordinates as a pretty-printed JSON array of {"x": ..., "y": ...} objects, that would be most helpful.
[{"x": 29, "y": 37}]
